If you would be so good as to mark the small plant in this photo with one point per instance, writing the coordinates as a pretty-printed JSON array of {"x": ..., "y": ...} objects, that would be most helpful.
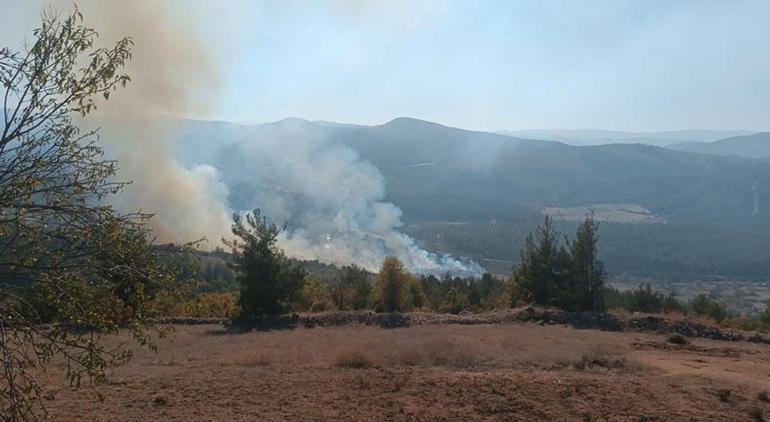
[
  {"x": 160, "y": 401},
  {"x": 756, "y": 414},
  {"x": 355, "y": 359},
  {"x": 678, "y": 339},
  {"x": 724, "y": 394},
  {"x": 600, "y": 362}
]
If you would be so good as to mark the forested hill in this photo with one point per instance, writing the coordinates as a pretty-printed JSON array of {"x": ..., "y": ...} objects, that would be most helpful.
[{"x": 665, "y": 212}]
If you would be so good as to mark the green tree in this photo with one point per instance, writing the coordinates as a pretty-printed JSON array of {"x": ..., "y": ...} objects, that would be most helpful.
[
  {"x": 268, "y": 282},
  {"x": 544, "y": 264},
  {"x": 587, "y": 273},
  {"x": 455, "y": 301},
  {"x": 390, "y": 285},
  {"x": 352, "y": 288},
  {"x": 414, "y": 297},
  {"x": 315, "y": 296},
  {"x": 65, "y": 255},
  {"x": 432, "y": 291},
  {"x": 489, "y": 289}
]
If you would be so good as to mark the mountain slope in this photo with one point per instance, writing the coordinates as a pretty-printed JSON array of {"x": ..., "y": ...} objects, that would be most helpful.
[
  {"x": 438, "y": 172},
  {"x": 477, "y": 194},
  {"x": 754, "y": 146}
]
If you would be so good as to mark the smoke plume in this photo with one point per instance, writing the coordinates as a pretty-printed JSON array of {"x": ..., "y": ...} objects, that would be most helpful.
[
  {"x": 331, "y": 200},
  {"x": 173, "y": 74}
]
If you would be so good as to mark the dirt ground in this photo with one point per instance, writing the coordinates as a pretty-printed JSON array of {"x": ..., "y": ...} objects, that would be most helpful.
[{"x": 445, "y": 372}]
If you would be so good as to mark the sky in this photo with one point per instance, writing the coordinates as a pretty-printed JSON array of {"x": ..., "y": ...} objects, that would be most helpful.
[{"x": 639, "y": 65}]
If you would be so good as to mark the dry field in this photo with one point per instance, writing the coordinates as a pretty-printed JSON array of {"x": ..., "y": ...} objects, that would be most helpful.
[{"x": 430, "y": 372}]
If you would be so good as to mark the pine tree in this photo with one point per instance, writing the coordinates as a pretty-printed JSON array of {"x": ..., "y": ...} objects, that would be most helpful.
[
  {"x": 269, "y": 283},
  {"x": 543, "y": 265},
  {"x": 587, "y": 273}
]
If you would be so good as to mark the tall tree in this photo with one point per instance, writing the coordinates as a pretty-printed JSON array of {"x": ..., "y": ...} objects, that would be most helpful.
[
  {"x": 391, "y": 285},
  {"x": 65, "y": 255},
  {"x": 587, "y": 273},
  {"x": 352, "y": 289},
  {"x": 268, "y": 282},
  {"x": 541, "y": 272}
]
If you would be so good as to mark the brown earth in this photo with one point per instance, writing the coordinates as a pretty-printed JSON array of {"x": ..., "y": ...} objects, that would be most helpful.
[{"x": 516, "y": 371}]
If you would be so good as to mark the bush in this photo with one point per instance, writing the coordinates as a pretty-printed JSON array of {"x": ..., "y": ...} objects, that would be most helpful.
[
  {"x": 702, "y": 305},
  {"x": 355, "y": 359},
  {"x": 763, "y": 396},
  {"x": 642, "y": 299},
  {"x": 315, "y": 297},
  {"x": 678, "y": 339},
  {"x": 211, "y": 305}
]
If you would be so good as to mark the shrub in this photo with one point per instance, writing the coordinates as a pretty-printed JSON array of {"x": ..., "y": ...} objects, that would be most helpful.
[
  {"x": 355, "y": 359},
  {"x": 724, "y": 394},
  {"x": 756, "y": 414},
  {"x": 211, "y": 305},
  {"x": 678, "y": 339},
  {"x": 315, "y": 296},
  {"x": 702, "y": 305}
]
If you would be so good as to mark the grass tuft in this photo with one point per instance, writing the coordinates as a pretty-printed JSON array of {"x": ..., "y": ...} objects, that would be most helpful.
[{"x": 354, "y": 359}]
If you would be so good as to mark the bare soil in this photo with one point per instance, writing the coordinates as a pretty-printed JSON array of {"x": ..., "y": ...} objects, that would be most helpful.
[{"x": 517, "y": 371}]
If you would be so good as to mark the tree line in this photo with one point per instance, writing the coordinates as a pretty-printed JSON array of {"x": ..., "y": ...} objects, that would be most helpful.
[{"x": 554, "y": 271}]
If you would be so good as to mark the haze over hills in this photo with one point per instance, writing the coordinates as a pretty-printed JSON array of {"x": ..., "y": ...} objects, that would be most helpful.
[
  {"x": 477, "y": 194},
  {"x": 755, "y": 146},
  {"x": 601, "y": 136}
]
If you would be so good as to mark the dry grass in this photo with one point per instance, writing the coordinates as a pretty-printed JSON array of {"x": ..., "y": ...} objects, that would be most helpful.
[
  {"x": 255, "y": 359},
  {"x": 449, "y": 372},
  {"x": 478, "y": 347},
  {"x": 679, "y": 316}
]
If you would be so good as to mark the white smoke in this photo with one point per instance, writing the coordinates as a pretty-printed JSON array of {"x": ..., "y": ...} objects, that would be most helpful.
[{"x": 331, "y": 200}]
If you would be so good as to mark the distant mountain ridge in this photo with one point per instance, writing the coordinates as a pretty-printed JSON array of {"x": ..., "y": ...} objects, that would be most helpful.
[
  {"x": 754, "y": 146},
  {"x": 601, "y": 136}
]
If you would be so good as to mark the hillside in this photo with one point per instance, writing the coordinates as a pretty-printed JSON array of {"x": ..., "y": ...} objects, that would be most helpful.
[
  {"x": 477, "y": 194},
  {"x": 753, "y": 146}
]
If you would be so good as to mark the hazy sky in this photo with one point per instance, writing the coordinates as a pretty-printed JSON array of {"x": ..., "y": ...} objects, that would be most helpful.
[{"x": 627, "y": 65}]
